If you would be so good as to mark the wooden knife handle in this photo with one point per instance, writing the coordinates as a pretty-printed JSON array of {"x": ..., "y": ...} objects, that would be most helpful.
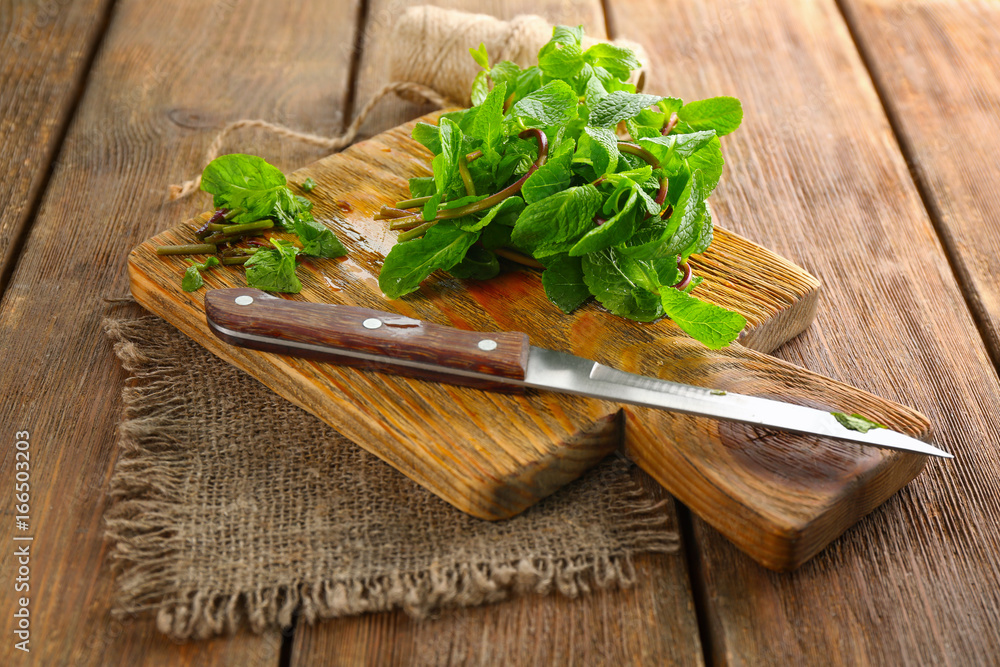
[{"x": 370, "y": 339}]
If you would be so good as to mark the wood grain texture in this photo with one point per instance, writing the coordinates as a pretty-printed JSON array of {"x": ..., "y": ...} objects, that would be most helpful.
[
  {"x": 380, "y": 338},
  {"x": 652, "y": 623},
  {"x": 779, "y": 497},
  {"x": 814, "y": 173},
  {"x": 46, "y": 49},
  {"x": 660, "y": 624},
  {"x": 935, "y": 65},
  {"x": 167, "y": 76},
  {"x": 492, "y": 456}
]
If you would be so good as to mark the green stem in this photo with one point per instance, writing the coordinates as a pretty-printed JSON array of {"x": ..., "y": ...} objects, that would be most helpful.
[
  {"x": 463, "y": 171},
  {"x": 640, "y": 152},
  {"x": 248, "y": 227},
  {"x": 649, "y": 158},
  {"x": 233, "y": 232},
  {"x": 409, "y": 222},
  {"x": 488, "y": 202},
  {"x": 519, "y": 258},
  {"x": 416, "y": 231},
  {"x": 413, "y": 203},
  {"x": 193, "y": 249}
]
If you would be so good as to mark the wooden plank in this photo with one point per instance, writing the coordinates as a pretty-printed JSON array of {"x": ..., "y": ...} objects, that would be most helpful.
[
  {"x": 494, "y": 456},
  {"x": 935, "y": 66},
  {"x": 652, "y": 623},
  {"x": 665, "y": 625},
  {"x": 814, "y": 174},
  {"x": 47, "y": 48},
  {"x": 168, "y": 75}
]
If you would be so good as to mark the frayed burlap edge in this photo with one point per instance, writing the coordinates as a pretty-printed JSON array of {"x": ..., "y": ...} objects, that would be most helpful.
[{"x": 144, "y": 489}]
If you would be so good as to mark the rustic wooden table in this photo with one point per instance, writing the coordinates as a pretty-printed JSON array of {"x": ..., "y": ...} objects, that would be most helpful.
[{"x": 866, "y": 156}]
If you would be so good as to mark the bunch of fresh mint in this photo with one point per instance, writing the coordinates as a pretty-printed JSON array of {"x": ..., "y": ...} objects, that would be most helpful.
[
  {"x": 252, "y": 197},
  {"x": 539, "y": 170}
]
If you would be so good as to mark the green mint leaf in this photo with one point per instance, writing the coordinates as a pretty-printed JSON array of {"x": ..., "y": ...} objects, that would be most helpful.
[
  {"x": 561, "y": 60},
  {"x": 446, "y": 164},
  {"x": 478, "y": 264},
  {"x": 708, "y": 160},
  {"x": 273, "y": 270},
  {"x": 408, "y": 264},
  {"x": 618, "y": 106},
  {"x": 594, "y": 90},
  {"x": 551, "y": 177},
  {"x": 676, "y": 146},
  {"x": 422, "y": 186},
  {"x": 638, "y": 132},
  {"x": 506, "y": 211},
  {"x": 507, "y": 73},
  {"x": 563, "y": 282},
  {"x": 550, "y": 225},
  {"x": 480, "y": 88},
  {"x": 722, "y": 114},
  {"x": 317, "y": 239},
  {"x": 528, "y": 80},
  {"x": 488, "y": 126},
  {"x": 462, "y": 201},
  {"x": 480, "y": 56},
  {"x": 618, "y": 60},
  {"x": 496, "y": 236},
  {"x": 239, "y": 181},
  {"x": 670, "y": 105},
  {"x": 604, "y": 152},
  {"x": 636, "y": 176},
  {"x": 622, "y": 284},
  {"x": 302, "y": 203},
  {"x": 192, "y": 280},
  {"x": 713, "y": 325},
  {"x": 615, "y": 231},
  {"x": 553, "y": 104},
  {"x": 705, "y": 235},
  {"x": 308, "y": 185},
  {"x": 856, "y": 422},
  {"x": 428, "y": 135},
  {"x": 647, "y": 201},
  {"x": 680, "y": 234},
  {"x": 565, "y": 34},
  {"x": 685, "y": 222}
]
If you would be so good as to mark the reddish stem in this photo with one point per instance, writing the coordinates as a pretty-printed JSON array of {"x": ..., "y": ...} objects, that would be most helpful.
[
  {"x": 216, "y": 219},
  {"x": 684, "y": 266},
  {"x": 670, "y": 124},
  {"x": 492, "y": 200}
]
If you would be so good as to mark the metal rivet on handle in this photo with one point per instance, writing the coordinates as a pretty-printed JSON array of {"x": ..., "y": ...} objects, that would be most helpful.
[
  {"x": 244, "y": 300},
  {"x": 487, "y": 345},
  {"x": 372, "y": 323}
]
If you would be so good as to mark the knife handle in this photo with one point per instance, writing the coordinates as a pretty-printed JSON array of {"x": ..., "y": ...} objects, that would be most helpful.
[{"x": 370, "y": 339}]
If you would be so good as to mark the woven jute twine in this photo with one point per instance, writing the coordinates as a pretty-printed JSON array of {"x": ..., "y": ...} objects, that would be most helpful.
[
  {"x": 430, "y": 63},
  {"x": 233, "y": 507}
]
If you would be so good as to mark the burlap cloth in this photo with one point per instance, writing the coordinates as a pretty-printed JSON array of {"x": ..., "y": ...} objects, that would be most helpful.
[{"x": 231, "y": 506}]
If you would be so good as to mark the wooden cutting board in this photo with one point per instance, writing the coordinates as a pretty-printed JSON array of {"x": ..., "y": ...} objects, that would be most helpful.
[{"x": 779, "y": 497}]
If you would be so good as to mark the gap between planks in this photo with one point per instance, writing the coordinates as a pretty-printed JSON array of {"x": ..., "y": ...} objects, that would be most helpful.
[
  {"x": 19, "y": 236},
  {"x": 923, "y": 188}
]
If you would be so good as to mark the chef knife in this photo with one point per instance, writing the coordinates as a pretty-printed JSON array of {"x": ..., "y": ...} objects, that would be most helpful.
[{"x": 503, "y": 361}]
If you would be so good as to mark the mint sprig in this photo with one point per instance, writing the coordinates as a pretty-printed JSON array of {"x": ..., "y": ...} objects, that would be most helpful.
[
  {"x": 541, "y": 168},
  {"x": 251, "y": 197}
]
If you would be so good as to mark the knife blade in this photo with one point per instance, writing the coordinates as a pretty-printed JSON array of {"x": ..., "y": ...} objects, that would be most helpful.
[{"x": 502, "y": 361}]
